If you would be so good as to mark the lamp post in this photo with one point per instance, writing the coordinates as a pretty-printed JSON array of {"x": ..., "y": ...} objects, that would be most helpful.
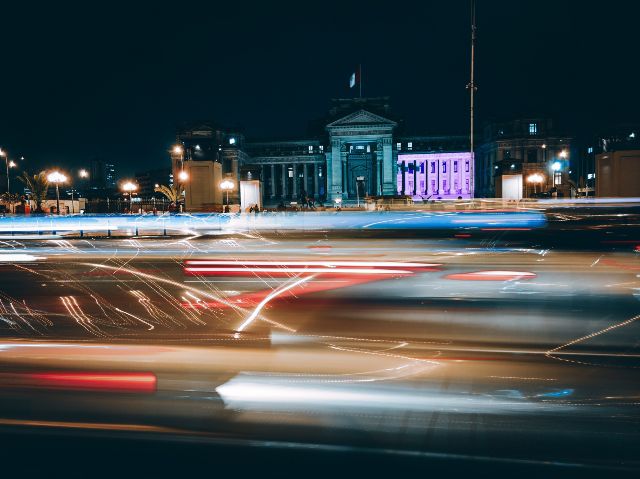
[
  {"x": 179, "y": 150},
  {"x": 129, "y": 187},
  {"x": 9, "y": 164},
  {"x": 227, "y": 185},
  {"x": 183, "y": 176},
  {"x": 535, "y": 179},
  {"x": 57, "y": 178}
]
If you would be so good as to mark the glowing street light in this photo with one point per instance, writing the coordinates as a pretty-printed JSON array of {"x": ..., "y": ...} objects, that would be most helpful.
[
  {"x": 556, "y": 166},
  {"x": 6, "y": 161},
  {"x": 83, "y": 174},
  {"x": 227, "y": 185},
  {"x": 564, "y": 154},
  {"x": 183, "y": 176},
  {"x": 178, "y": 150},
  {"x": 56, "y": 177},
  {"x": 535, "y": 179},
  {"x": 129, "y": 187}
]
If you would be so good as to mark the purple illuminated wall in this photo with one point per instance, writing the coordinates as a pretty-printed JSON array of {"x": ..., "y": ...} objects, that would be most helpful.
[{"x": 435, "y": 175}]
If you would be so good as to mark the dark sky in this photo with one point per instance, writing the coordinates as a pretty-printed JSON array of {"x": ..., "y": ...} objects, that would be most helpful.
[{"x": 113, "y": 80}]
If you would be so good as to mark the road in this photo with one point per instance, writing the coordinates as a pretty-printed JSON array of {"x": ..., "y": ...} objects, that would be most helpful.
[{"x": 493, "y": 347}]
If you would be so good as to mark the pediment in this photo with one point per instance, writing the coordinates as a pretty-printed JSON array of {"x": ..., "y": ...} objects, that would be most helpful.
[{"x": 362, "y": 118}]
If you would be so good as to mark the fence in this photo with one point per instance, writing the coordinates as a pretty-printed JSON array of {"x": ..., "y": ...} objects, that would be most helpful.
[{"x": 121, "y": 205}]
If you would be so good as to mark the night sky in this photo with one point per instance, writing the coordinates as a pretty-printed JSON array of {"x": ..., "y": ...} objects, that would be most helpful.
[{"x": 113, "y": 80}]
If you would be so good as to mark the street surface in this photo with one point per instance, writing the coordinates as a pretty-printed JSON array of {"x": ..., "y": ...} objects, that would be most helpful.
[{"x": 496, "y": 346}]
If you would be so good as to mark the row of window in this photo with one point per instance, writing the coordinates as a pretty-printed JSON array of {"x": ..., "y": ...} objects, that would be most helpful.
[{"x": 410, "y": 167}]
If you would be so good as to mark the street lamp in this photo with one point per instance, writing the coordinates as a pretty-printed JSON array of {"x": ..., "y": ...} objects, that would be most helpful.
[
  {"x": 183, "y": 176},
  {"x": 57, "y": 178},
  {"x": 535, "y": 179},
  {"x": 227, "y": 185},
  {"x": 83, "y": 174},
  {"x": 129, "y": 187},
  {"x": 179, "y": 150},
  {"x": 8, "y": 164}
]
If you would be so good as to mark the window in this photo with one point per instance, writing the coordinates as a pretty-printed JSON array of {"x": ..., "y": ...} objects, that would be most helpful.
[
  {"x": 290, "y": 172},
  {"x": 467, "y": 184},
  {"x": 399, "y": 146},
  {"x": 350, "y": 148},
  {"x": 507, "y": 154},
  {"x": 466, "y": 167},
  {"x": 444, "y": 167},
  {"x": 232, "y": 141},
  {"x": 590, "y": 150},
  {"x": 557, "y": 178},
  {"x": 533, "y": 128},
  {"x": 321, "y": 150},
  {"x": 410, "y": 146},
  {"x": 532, "y": 156},
  {"x": 422, "y": 168},
  {"x": 455, "y": 166},
  {"x": 368, "y": 148},
  {"x": 433, "y": 167},
  {"x": 310, "y": 148}
]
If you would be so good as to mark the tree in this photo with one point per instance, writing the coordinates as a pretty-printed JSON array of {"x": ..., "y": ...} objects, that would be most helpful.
[
  {"x": 38, "y": 185},
  {"x": 10, "y": 199},
  {"x": 173, "y": 192}
]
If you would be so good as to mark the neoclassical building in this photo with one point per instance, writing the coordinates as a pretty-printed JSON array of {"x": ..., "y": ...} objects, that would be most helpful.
[{"x": 358, "y": 151}]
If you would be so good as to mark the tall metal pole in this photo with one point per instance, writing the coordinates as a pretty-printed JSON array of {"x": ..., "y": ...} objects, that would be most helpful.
[
  {"x": 57, "y": 199},
  {"x": 6, "y": 160},
  {"x": 472, "y": 88}
]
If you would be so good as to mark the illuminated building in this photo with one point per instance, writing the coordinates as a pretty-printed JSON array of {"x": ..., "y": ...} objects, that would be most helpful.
[
  {"x": 513, "y": 152},
  {"x": 357, "y": 151}
]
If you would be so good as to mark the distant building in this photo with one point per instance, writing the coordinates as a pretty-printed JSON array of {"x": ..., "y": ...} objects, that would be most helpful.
[
  {"x": 523, "y": 158},
  {"x": 102, "y": 178},
  {"x": 357, "y": 151},
  {"x": 617, "y": 162},
  {"x": 148, "y": 180}
]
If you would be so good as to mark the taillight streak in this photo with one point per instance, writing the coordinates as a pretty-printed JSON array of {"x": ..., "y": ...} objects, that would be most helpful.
[{"x": 125, "y": 382}]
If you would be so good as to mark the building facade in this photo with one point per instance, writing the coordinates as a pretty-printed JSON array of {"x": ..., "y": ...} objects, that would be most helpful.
[
  {"x": 523, "y": 158},
  {"x": 617, "y": 162},
  {"x": 357, "y": 152}
]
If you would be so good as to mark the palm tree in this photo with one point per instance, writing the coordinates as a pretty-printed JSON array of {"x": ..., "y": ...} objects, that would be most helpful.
[
  {"x": 38, "y": 185},
  {"x": 173, "y": 192}
]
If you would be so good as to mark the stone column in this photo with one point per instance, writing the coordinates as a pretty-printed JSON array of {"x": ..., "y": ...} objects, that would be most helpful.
[
  {"x": 345, "y": 174},
  {"x": 388, "y": 183},
  {"x": 334, "y": 171},
  {"x": 294, "y": 193},
  {"x": 305, "y": 175},
  {"x": 316, "y": 195},
  {"x": 284, "y": 180},
  {"x": 273, "y": 180}
]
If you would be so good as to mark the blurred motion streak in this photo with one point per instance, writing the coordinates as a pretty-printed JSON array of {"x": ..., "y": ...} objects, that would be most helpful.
[{"x": 120, "y": 382}]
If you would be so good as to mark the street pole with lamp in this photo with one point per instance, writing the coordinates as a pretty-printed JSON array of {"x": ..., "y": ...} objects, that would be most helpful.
[
  {"x": 227, "y": 185},
  {"x": 56, "y": 177},
  {"x": 535, "y": 179},
  {"x": 129, "y": 187},
  {"x": 8, "y": 164},
  {"x": 183, "y": 176}
]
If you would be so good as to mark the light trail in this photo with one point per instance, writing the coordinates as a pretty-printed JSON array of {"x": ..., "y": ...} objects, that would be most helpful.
[{"x": 274, "y": 294}]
